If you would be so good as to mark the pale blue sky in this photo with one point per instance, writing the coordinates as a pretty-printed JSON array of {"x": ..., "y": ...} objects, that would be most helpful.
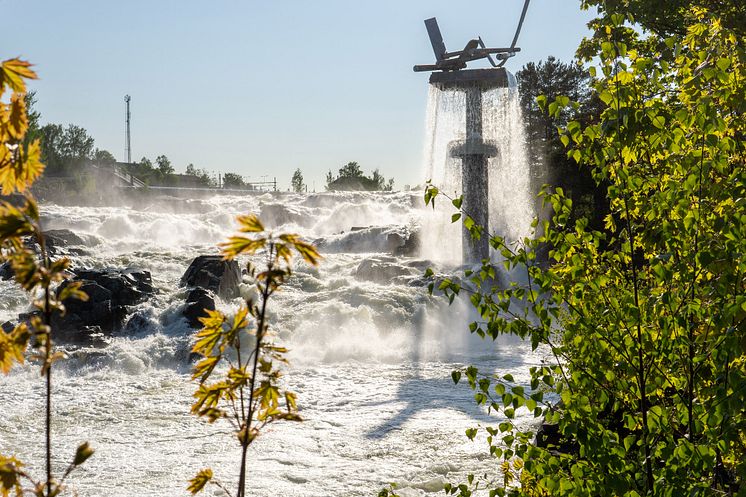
[{"x": 262, "y": 88}]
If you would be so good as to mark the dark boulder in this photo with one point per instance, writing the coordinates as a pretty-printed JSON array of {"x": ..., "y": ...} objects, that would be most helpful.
[
  {"x": 197, "y": 301},
  {"x": 6, "y": 271},
  {"x": 60, "y": 242},
  {"x": 211, "y": 272},
  {"x": 63, "y": 238},
  {"x": 110, "y": 292},
  {"x": 127, "y": 286}
]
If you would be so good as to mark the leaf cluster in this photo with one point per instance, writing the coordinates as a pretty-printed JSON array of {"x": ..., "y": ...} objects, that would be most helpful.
[
  {"x": 248, "y": 390},
  {"x": 36, "y": 273},
  {"x": 642, "y": 322}
]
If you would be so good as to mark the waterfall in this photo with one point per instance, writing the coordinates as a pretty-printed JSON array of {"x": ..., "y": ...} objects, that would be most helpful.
[{"x": 511, "y": 202}]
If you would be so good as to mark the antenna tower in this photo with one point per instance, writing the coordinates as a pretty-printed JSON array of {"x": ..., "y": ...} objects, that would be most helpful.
[{"x": 127, "y": 145}]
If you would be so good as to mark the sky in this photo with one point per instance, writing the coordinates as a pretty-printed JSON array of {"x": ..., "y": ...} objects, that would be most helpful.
[{"x": 263, "y": 88}]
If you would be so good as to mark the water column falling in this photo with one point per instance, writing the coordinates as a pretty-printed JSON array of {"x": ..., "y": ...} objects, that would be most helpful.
[
  {"x": 475, "y": 145},
  {"x": 474, "y": 152}
]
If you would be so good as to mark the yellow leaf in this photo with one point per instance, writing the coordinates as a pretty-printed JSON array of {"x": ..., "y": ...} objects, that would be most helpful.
[
  {"x": 73, "y": 291},
  {"x": 204, "y": 368},
  {"x": 19, "y": 166},
  {"x": 237, "y": 245},
  {"x": 13, "y": 72},
  {"x": 239, "y": 320},
  {"x": 283, "y": 252},
  {"x": 10, "y": 476},
  {"x": 17, "y": 119},
  {"x": 308, "y": 252},
  {"x": 12, "y": 346},
  {"x": 197, "y": 483},
  {"x": 249, "y": 223}
]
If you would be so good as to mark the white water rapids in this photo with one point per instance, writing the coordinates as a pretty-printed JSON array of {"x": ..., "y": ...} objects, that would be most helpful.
[{"x": 371, "y": 352}]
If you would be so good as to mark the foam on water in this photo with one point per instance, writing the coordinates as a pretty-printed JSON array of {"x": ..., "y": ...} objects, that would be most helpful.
[{"x": 371, "y": 356}]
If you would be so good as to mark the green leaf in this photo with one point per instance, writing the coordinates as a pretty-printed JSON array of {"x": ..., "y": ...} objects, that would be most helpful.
[{"x": 456, "y": 376}]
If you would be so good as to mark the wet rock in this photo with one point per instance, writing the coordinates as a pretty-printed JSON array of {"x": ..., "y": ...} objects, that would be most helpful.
[
  {"x": 197, "y": 301},
  {"x": 410, "y": 247},
  {"x": 6, "y": 271},
  {"x": 62, "y": 242},
  {"x": 111, "y": 293},
  {"x": 128, "y": 286},
  {"x": 365, "y": 239},
  {"x": 92, "y": 336},
  {"x": 275, "y": 215},
  {"x": 380, "y": 270},
  {"x": 211, "y": 272},
  {"x": 141, "y": 320},
  {"x": 63, "y": 238}
]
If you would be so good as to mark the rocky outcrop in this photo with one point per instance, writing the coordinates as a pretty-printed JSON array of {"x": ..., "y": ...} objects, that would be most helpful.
[
  {"x": 209, "y": 277},
  {"x": 111, "y": 292},
  {"x": 410, "y": 247},
  {"x": 275, "y": 215},
  {"x": 62, "y": 242},
  {"x": 197, "y": 301},
  {"x": 382, "y": 270},
  {"x": 362, "y": 239},
  {"x": 211, "y": 272},
  {"x": 59, "y": 243},
  {"x": 6, "y": 272}
]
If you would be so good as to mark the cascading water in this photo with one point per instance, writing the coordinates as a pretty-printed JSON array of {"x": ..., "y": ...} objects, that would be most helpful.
[
  {"x": 371, "y": 357},
  {"x": 510, "y": 205}
]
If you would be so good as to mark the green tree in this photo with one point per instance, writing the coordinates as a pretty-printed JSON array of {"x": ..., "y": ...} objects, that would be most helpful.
[
  {"x": 249, "y": 395},
  {"x": 329, "y": 180},
  {"x": 164, "y": 166},
  {"x": 34, "y": 118},
  {"x": 233, "y": 180},
  {"x": 297, "y": 181},
  {"x": 351, "y": 178},
  {"x": 77, "y": 145},
  {"x": 550, "y": 164},
  {"x": 350, "y": 170},
  {"x": 645, "y": 319},
  {"x": 65, "y": 149},
  {"x": 103, "y": 157},
  {"x": 51, "y": 146},
  {"x": 204, "y": 177}
]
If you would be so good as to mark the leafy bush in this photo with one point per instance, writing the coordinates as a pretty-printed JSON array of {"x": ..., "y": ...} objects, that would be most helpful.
[{"x": 643, "y": 320}]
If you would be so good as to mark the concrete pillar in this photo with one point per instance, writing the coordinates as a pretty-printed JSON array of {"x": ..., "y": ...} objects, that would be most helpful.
[{"x": 475, "y": 179}]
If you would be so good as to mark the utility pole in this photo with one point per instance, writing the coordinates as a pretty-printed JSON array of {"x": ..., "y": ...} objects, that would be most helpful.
[{"x": 127, "y": 146}]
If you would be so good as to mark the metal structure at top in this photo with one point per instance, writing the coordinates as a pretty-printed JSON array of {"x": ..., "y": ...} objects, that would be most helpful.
[
  {"x": 475, "y": 49},
  {"x": 449, "y": 73}
]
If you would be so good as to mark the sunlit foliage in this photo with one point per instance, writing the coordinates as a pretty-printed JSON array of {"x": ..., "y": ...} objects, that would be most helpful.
[
  {"x": 643, "y": 320},
  {"x": 238, "y": 350},
  {"x": 35, "y": 272}
]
